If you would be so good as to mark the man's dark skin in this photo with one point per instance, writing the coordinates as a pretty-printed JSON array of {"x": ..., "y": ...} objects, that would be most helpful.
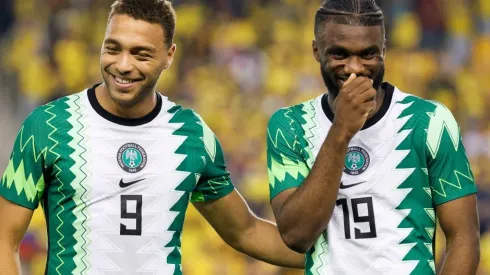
[{"x": 352, "y": 62}]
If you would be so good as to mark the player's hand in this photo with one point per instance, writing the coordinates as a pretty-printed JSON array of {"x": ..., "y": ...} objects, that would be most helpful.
[{"x": 354, "y": 103}]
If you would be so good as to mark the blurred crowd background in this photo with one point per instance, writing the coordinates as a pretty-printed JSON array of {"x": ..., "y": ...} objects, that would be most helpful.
[{"x": 237, "y": 62}]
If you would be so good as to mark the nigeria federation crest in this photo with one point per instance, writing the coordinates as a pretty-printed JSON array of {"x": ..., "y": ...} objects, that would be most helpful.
[
  {"x": 356, "y": 161},
  {"x": 131, "y": 157}
]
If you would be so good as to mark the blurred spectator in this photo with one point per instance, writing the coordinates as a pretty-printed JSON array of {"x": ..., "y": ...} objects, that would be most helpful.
[
  {"x": 431, "y": 15},
  {"x": 6, "y": 16}
]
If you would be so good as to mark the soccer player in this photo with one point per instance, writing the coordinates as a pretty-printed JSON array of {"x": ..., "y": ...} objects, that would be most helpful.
[
  {"x": 116, "y": 165},
  {"x": 359, "y": 176}
]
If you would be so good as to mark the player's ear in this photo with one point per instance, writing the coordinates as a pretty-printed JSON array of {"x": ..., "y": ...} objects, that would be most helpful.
[
  {"x": 170, "y": 56},
  {"x": 316, "y": 50},
  {"x": 384, "y": 52}
]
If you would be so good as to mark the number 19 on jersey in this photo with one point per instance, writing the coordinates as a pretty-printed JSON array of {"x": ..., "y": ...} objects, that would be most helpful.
[{"x": 354, "y": 205}]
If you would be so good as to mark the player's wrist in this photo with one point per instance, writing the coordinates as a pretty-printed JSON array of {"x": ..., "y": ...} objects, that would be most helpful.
[{"x": 340, "y": 134}]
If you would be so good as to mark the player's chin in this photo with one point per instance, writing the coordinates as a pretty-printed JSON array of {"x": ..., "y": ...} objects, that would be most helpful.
[
  {"x": 340, "y": 83},
  {"x": 125, "y": 95}
]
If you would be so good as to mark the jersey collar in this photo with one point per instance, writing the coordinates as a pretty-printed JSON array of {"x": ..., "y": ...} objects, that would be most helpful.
[{"x": 120, "y": 120}]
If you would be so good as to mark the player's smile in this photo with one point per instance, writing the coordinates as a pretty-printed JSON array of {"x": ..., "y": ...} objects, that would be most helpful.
[
  {"x": 340, "y": 81},
  {"x": 123, "y": 83}
]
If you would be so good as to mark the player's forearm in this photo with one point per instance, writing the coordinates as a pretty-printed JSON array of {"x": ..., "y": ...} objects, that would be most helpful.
[
  {"x": 9, "y": 260},
  {"x": 306, "y": 213},
  {"x": 462, "y": 257},
  {"x": 262, "y": 241}
]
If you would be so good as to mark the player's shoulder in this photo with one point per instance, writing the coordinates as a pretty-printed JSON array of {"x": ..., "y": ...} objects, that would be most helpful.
[
  {"x": 60, "y": 104},
  {"x": 46, "y": 110},
  {"x": 41, "y": 120},
  {"x": 192, "y": 122},
  {"x": 180, "y": 113},
  {"x": 292, "y": 115},
  {"x": 422, "y": 109},
  {"x": 422, "y": 104}
]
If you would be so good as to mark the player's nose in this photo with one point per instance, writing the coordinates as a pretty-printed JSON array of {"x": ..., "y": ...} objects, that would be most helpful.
[
  {"x": 354, "y": 66},
  {"x": 124, "y": 64}
]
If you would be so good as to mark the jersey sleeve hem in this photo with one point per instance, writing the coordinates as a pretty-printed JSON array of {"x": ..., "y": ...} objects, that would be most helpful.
[
  {"x": 13, "y": 198},
  {"x": 199, "y": 197},
  {"x": 466, "y": 191},
  {"x": 282, "y": 189}
]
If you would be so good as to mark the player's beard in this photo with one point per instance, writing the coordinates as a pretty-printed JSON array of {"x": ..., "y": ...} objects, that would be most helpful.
[
  {"x": 331, "y": 81},
  {"x": 147, "y": 88}
]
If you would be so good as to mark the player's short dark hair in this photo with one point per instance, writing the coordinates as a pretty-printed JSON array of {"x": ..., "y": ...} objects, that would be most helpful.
[
  {"x": 152, "y": 11},
  {"x": 349, "y": 12}
]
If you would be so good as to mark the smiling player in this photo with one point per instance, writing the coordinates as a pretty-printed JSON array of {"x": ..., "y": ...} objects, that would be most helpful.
[
  {"x": 116, "y": 165},
  {"x": 359, "y": 176}
]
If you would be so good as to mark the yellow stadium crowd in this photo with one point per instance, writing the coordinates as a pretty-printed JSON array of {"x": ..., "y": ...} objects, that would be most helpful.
[{"x": 238, "y": 62}]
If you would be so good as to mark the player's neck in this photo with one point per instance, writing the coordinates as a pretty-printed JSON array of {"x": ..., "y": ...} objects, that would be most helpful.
[
  {"x": 139, "y": 110},
  {"x": 380, "y": 95}
]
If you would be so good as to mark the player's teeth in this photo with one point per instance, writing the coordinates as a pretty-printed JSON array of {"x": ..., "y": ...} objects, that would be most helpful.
[{"x": 123, "y": 81}]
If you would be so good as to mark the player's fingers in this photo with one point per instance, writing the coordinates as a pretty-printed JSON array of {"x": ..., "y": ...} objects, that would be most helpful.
[
  {"x": 368, "y": 108},
  {"x": 350, "y": 79},
  {"x": 364, "y": 92},
  {"x": 354, "y": 84},
  {"x": 365, "y": 86},
  {"x": 368, "y": 95}
]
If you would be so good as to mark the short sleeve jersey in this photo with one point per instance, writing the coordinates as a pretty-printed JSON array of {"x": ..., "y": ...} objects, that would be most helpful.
[
  {"x": 114, "y": 191},
  {"x": 408, "y": 159}
]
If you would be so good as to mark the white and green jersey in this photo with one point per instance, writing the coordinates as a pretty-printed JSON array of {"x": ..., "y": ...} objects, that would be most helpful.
[
  {"x": 407, "y": 159},
  {"x": 114, "y": 191}
]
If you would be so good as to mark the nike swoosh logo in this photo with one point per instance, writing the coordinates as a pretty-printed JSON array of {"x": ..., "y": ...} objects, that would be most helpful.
[
  {"x": 123, "y": 184},
  {"x": 342, "y": 186}
]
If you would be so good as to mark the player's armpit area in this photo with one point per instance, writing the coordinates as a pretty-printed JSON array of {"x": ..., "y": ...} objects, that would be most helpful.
[
  {"x": 232, "y": 219},
  {"x": 459, "y": 221},
  {"x": 279, "y": 200},
  {"x": 14, "y": 221}
]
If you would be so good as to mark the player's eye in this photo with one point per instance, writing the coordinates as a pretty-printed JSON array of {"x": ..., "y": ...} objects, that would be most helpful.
[
  {"x": 338, "y": 55},
  {"x": 369, "y": 54},
  {"x": 112, "y": 50},
  {"x": 143, "y": 57}
]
